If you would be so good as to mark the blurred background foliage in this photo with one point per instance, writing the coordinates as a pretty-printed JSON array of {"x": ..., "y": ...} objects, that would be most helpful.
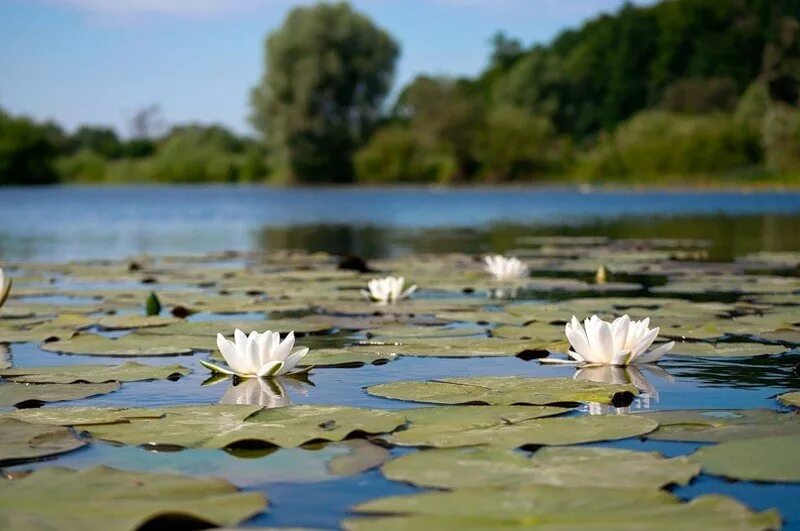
[{"x": 682, "y": 91}]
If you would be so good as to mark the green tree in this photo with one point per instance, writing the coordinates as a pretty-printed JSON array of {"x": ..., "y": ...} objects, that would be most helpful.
[
  {"x": 27, "y": 151},
  {"x": 101, "y": 140},
  {"x": 328, "y": 70}
]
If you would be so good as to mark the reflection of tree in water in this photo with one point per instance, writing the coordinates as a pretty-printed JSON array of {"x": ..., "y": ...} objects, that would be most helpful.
[
  {"x": 364, "y": 241},
  {"x": 743, "y": 373},
  {"x": 632, "y": 374}
]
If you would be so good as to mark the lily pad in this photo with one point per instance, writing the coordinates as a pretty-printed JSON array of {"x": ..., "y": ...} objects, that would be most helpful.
[
  {"x": 35, "y": 395},
  {"x": 221, "y": 426},
  {"x": 726, "y": 350},
  {"x": 550, "y": 507},
  {"x": 64, "y": 326},
  {"x": 345, "y": 357},
  {"x": 212, "y": 328},
  {"x": 506, "y": 391},
  {"x": 128, "y": 322},
  {"x": 776, "y": 459},
  {"x": 790, "y": 399},
  {"x": 126, "y": 346},
  {"x": 64, "y": 374},
  {"x": 566, "y": 467},
  {"x": 470, "y": 347},
  {"x": 21, "y": 441},
  {"x": 362, "y": 456},
  {"x": 405, "y": 332},
  {"x": 719, "y": 425},
  {"x": 106, "y": 498},
  {"x": 81, "y": 415}
]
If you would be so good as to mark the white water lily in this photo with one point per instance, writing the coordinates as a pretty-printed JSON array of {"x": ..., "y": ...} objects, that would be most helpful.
[
  {"x": 622, "y": 342},
  {"x": 387, "y": 290},
  {"x": 502, "y": 268},
  {"x": 258, "y": 355}
]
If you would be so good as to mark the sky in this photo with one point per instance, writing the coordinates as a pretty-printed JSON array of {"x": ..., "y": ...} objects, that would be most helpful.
[{"x": 99, "y": 61}]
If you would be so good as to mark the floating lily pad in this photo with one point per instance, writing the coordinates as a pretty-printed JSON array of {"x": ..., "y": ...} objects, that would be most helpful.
[
  {"x": 790, "y": 399},
  {"x": 125, "y": 346},
  {"x": 771, "y": 459},
  {"x": 469, "y": 347},
  {"x": 106, "y": 498},
  {"x": 565, "y": 467},
  {"x": 345, "y": 357},
  {"x": 362, "y": 456},
  {"x": 21, "y": 441},
  {"x": 79, "y": 416},
  {"x": 63, "y": 327},
  {"x": 726, "y": 350},
  {"x": 64, "y": 374},
  {"x": 539, "y": 331},
  {"x": 221, "y": 426},
  {"x": 405, "y": 332},
  {"x": 505, "y": 391},
  {"x": 483, "y": 317},
  {"x": 212, "y": 328},
  {"x": 719, "y": 425},
  {"x": 552, "y": 507},
  {"x": 35, "y": 395},
  {"x": 127, "y": 322}
]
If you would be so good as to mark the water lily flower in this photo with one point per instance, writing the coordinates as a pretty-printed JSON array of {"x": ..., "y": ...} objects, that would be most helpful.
[
  {"x": 502, "y": 268},
  {"x": 258, "y": 355},
  {"x": 387, "y": 290},
  {"x": 5, "y": 288},
  {"x": 622, "y": 342}
]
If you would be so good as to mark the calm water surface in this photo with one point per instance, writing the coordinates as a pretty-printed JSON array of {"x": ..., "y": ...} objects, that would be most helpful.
[{"x": 59, "y": 224}]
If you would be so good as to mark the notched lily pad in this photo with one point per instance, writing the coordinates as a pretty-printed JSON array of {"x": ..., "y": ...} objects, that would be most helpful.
[
  {"x": 608, "y": 468},
  {"x": 107, "y": 498},
  {"x": 506, "y": 391},
  {"x": 126, "y": 346},
  {"x": 64, "y": 374},
  {"x": 21, "y": 441},
  {"x": 35, "y": 395},
  {"x": 772, "y": 459}
]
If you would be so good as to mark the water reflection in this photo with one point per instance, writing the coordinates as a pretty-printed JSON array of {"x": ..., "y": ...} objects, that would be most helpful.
[
  {"x": 5, "y": 356},
  {"x": 636, "y": 375},
  {"x": 264, "y": 392}
]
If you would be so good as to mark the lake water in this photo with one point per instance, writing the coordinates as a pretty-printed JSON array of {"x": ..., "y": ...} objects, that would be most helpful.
[{"x": 61, "y": 224}]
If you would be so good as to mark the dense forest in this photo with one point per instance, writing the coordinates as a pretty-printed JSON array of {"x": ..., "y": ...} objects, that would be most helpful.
[{"x": 683, "y": 91}]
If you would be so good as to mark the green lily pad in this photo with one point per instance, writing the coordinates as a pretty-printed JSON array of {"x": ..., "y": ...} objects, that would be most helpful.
[
  {"x": 126, "y": 346},
  {"x": 540, "y": 331},
  {"x": 64, "y": 326},
  {"x": 106, "y": 498},
  {"x": 470, "y": 347},
  {"x": 553, "y": 508},
  {"x": 565, "y": 467},
  {"x": 34, "y": 395},
  {"x": 221, "y": 426},
  {"x": 226, "y": 328},
  {"x": 710, "y": 425},
  {"x": 21, "y": 441},
  {"x": 483, "y": 317},
  {"x": 405, "y": 332},
  {"x": 128, "y": 322},
  {"x": 82, "y": 415},
  {"x": 64, "y": 374},
  {"x": 345, "y": 357},
  {"x": 505, "y": 391},
  {"x": 726, "y": 350},
  {"x": 362, "y": 456},
  {"x": 772, "y": 459},
  {"x": 790, "y": 399}
]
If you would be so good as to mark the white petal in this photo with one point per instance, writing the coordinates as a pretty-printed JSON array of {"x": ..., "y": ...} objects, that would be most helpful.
[
  {"x": 229, "y": 353},
  {"x": 578, "y": 341},
  {"x": 270, "y": 369},
  {"x": 655, "y": 354},
  {"x": 619, "y": 328},
  {"x": 283, "y": 350},
  {"x": 295, "y": 358},
  {"x": 606, "y": 342},
  {"x": 645, "y": 341}
]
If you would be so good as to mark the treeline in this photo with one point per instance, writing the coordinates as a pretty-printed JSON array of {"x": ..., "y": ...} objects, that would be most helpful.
[{"x": 679, "y": 91}]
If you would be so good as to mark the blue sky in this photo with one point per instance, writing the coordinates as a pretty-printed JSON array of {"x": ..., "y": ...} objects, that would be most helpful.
[{"x": 98, "y": 61}]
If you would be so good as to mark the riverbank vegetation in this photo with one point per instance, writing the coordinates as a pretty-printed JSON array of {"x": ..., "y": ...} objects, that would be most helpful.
[{"x": 683, "y": 91}]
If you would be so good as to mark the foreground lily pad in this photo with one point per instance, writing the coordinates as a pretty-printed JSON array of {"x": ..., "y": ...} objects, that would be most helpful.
[
  {"x": 22, "y": 441},
  {"x": 771, "y": 459},
  {"x": 106, "y": 498},
  {"x": 506, "y": 391},
  {"x": 126, "y": 346},
  {"x": 719, "y": 425},
  {"x": 81, "y": 415},
  {"x": 35, "y": 395},
  {"x": 567, "y": 467},
  {"x": 221, "y": 426},
  {"x": 790, "y": 399},
  {"x": 552, "y": 507},
  {"x": 127, "y": 372}
]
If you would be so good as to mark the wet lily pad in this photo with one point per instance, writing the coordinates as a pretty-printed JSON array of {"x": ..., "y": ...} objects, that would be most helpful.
[
  {"x": 607, "y": 468},
  {"x": 776, "y": 459},
  {"x": 35, "y": 395},
  {"x": 790, "y": 399},
  {"x": 106, "y": 498},
  {"x": 505, "y": 391},
  {"x": 552, "y": 507},
  {"x": 21, "y": 441},
  {"x": 128, "y": 322},
  {"x": 126, "y": 346},
  {"x": 719, "y": 425},
  {"x": 221, "y": 426},
  {"x": 726, "y": 350},
  {"x": 64, "y": 374},
  {"x": 362, "y": 456},
  {"x": 64, "y": 326},
  {"x": 470, "y": 347},
  {"x": 346, "y": 357},
  {"x": 81, "y": 415}
]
